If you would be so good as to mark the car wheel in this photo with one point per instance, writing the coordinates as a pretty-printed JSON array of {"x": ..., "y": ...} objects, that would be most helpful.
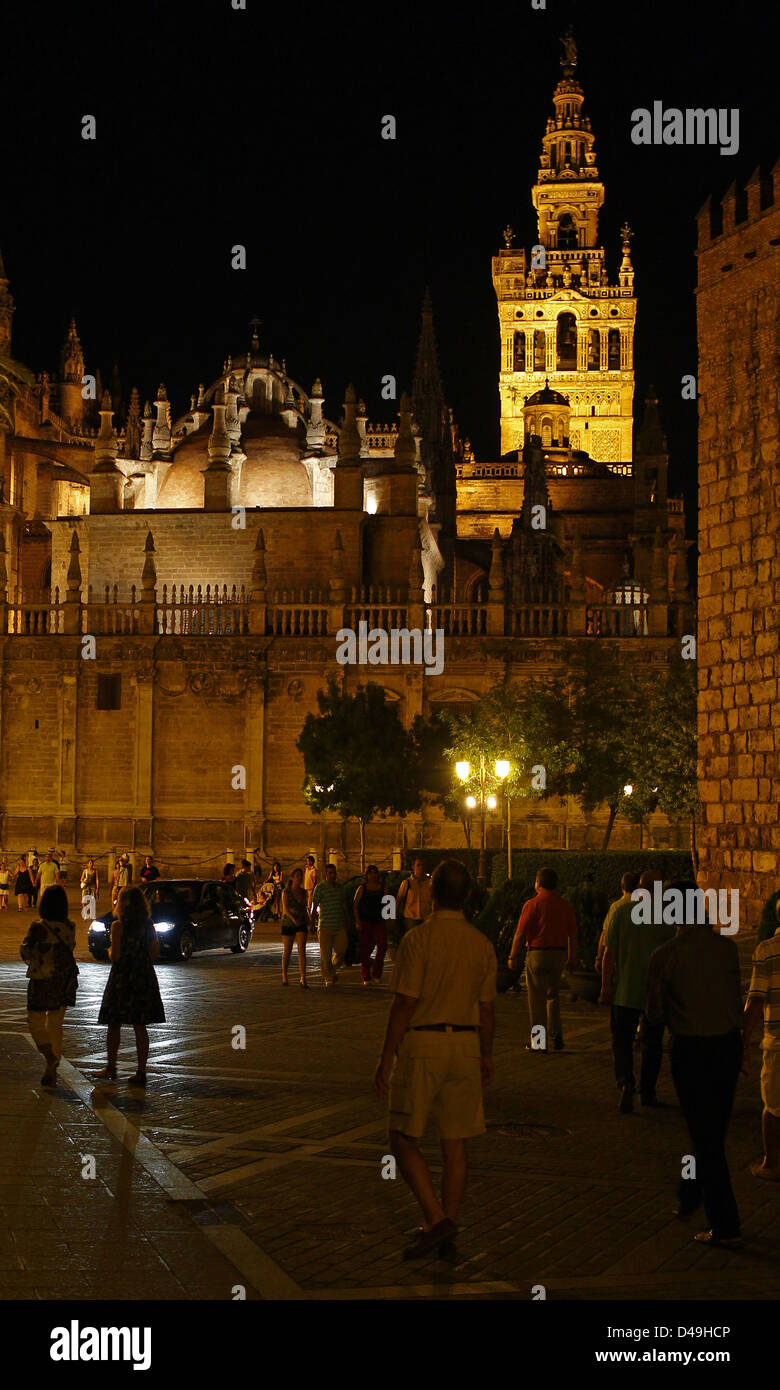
[
  {"x": 186, "y": 944},
  {"x": 242, "y": 940}
]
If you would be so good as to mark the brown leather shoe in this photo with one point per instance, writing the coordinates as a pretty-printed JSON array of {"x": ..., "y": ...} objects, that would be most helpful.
[{"x": 429, "y": 1240}]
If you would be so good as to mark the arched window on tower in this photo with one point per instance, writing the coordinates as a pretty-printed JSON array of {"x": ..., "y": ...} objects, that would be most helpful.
[
  {"x": 566, "y": 343},
  {"x": 546, "y": 432},
  {"x": 518, "y": 364},
  {"x": 540, "y": 350},
  {"x": 613, "y": 350},
  {"x": 594, "y": 353},
  {"x": 567, "y": 233}
]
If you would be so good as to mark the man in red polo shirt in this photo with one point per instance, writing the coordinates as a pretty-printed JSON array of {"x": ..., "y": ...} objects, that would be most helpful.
[{"x": 548, "y": 929}]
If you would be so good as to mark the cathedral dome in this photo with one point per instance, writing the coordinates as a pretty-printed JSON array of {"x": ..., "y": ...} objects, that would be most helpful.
[
  {"x": 547, "y": 413},
  {"x": 270, "y": 475}
]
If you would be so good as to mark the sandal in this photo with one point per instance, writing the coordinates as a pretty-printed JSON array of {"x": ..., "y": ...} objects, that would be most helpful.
[
  {"x": 107, "y": 1074},
  {"x": 137, "y": 1079}
]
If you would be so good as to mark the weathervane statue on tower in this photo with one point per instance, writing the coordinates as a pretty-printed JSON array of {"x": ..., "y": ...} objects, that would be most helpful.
[{"x": 569, "y": 60}]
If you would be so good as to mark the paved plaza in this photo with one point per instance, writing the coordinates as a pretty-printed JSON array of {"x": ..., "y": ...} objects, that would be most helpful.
[{"x": 261, "y": 1168}]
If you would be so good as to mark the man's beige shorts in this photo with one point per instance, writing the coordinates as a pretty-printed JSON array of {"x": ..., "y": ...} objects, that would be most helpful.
[
  {"x": 437, "y": 1076},
  {"x": 770, "y": 1080}
]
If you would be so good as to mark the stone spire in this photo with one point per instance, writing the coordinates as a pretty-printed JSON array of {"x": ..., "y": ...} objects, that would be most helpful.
[
  {"x": 427, "y": 390},
  {"x": 106, "y": 481},
  {"x": 148, "y": 431},
  {"x": 405, "y": 453},
  {"x": 161, "y": 434},
  {"x": 348, "y": 473},
  {"x": 133, "y": 428},
  {"x": 315, "y": 428},
  {"x": 72, "y": 357},
  {"x": 6, "y": 312},
  {"x": 106, "y": 443},
  {"x": 216, "y": 478}
]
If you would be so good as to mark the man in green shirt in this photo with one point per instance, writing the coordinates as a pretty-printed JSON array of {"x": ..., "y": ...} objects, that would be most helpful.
[
  {"x": 49, "y": 873},
  {"x": 628, "y": 948},
  {"x": 328, "y": 901}
]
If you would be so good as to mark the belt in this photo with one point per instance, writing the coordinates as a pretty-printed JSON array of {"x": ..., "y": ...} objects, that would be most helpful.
[{"x": 445, "y": 1028}]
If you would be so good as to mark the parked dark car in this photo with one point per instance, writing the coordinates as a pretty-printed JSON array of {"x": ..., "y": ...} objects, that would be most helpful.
[{"x": 189, "y": 915}]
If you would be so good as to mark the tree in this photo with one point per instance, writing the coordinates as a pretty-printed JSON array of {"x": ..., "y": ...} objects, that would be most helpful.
[
  {"x": 666, "y": 753},
  {"x": 359, "y": 760}
]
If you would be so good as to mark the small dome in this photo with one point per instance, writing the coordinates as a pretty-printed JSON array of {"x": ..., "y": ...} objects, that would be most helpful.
[{"x": 547, "y": 397}]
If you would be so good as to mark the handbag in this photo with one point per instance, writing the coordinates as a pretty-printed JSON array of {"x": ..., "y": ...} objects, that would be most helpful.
[{"x": 65, "y": 967}]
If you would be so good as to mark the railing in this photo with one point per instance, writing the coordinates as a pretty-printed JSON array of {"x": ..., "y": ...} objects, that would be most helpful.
[
  {"x": 294, "y": 613},
  {"x": 457, "y": 619},
  {"x": 611, "y": 619},
  {"x": 540, "y": 620},
  {"x": 378, "y": 606},
  {"x": 209, "y": 612},
  {"x": 31, "y": 612},
  {"x": 110, "y": 616}
]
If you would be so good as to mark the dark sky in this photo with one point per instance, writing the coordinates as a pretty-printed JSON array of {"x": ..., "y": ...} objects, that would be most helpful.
[{"x": 262, "y": 127}]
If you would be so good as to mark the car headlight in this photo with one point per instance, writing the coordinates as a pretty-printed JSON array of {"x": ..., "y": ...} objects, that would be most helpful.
[
  {"x": 98, "y": 926},
  {"x": 164, "y": 926}
]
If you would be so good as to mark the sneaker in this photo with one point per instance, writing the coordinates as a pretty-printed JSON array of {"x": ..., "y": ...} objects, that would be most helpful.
[{"x": 710, "y": 1238}]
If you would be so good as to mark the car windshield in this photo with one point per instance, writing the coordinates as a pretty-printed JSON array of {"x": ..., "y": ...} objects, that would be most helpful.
[{"x": 158, "y": 894}]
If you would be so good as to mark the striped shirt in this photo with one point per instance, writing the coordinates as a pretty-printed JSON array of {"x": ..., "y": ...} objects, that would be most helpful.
[{"x": 765, "y": 985}]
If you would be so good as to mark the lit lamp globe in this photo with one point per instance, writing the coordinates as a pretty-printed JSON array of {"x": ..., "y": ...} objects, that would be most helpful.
[
  {"x": 471, "y": 802},
  {"x": 502, "y": 768},
  {"x": 463, "y": 769},
  {"x": 491, "y": 801},
  {"x": 628, "y": 788}
]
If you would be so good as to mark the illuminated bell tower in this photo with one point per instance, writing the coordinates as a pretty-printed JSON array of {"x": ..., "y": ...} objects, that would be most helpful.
[{"x": 560, "y": 318}]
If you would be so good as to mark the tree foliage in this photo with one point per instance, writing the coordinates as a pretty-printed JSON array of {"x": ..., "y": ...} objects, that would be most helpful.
[{"x": 359, "y": 760}]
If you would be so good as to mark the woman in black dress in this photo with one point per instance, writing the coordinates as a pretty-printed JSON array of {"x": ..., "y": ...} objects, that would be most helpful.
[
  {"x": 295, "y": 922},
  {"x": 23, "y": 884},
  {"x": 132, "y": 994}
]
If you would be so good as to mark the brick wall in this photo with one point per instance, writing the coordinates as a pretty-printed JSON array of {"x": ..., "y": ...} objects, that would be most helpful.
[{"x": 739, "y": 540}]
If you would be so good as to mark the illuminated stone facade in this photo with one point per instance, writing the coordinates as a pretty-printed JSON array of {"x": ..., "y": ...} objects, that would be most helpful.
[
  {"x": 214, "y": 553},
  {"x": 560, "y": 318},
  {"x": 738, "y": 307}
]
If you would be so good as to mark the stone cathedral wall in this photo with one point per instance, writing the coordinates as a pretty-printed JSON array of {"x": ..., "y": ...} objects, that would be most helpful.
[
  {"x": 156, "y": 773},
  {"x": 738, "y": 311}
]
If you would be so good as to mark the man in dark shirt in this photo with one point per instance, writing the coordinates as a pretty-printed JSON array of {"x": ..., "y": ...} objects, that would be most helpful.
[
  {"x": 149, "y": 871},
  {"x": 548, "y": 928},
  {"x": 693, "y": 986}
]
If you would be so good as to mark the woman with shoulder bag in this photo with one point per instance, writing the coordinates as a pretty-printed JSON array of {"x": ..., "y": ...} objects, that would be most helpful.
[
  {"x": 53, "y": 975},
  {"x": 295, "y": 921}
]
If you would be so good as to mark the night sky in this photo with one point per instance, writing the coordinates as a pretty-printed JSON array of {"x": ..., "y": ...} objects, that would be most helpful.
[{"x": 262, "y": 127}]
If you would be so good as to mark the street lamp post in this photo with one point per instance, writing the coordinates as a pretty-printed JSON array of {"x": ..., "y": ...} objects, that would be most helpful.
[{"x": 484, "y": 784}]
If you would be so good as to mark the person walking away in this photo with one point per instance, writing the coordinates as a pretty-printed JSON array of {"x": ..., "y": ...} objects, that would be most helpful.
[
  {"x": 629, "y": 946},
  {"x": 693, "y": 987},
  {"x": 23, "y": 885},
  {"x": 438, "y": 1052},
  {"x": 295, "y": 922},
  {"x": 244, "y": 880},
  {"x": 310, "y": 878},
  {"x": 35, "y": 877},
  {"x": 414, "y": 898},
  {"x": 548, "y": 929},
  {"x": 371, "y": 926},
  {"x": 628, "y": 883},
  {"x": 132, "y": 994},
  {"x": 149, "y": 871},
  {"x": 53, "y": 977},
  {"x": 763, "y": 1003},
  {"x": 5, "y": 885},
  {"x": 328, "y": 903}
]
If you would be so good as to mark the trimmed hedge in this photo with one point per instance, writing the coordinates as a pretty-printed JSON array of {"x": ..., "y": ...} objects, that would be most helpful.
[
  {"x": 469, "y": 857},
  {"x": 590, "y": 882},
  {"x": 603, "y": 869}
]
